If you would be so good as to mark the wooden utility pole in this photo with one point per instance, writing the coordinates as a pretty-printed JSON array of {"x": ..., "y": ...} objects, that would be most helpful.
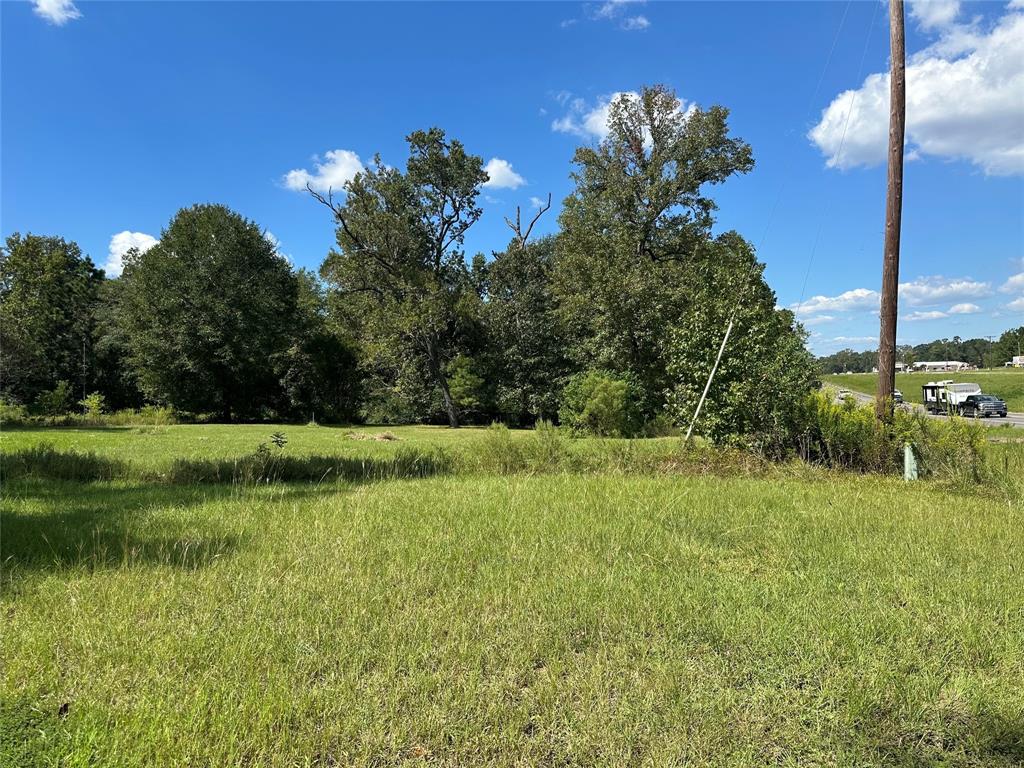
[{"x": 893, "y": 215}]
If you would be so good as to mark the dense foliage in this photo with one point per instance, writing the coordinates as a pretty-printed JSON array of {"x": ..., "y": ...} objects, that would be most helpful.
[
  {"x": 48, "y": 300},
  {"x": 610, "y": 326},
  {"x": 208, "y": 313}
]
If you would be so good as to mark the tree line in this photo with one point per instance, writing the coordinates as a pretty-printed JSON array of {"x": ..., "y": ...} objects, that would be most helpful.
[
  {"x": 984, "y": 353},
  {"x": 611, "y": 324}
]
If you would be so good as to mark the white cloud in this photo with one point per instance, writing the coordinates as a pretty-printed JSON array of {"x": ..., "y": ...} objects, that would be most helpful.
[
  {"x": 591, "y": 122},
  {"x": 858, "y": 298},
  {"x": 1014, "y": 284},
  {"x": 934, "y": 315},
  {"x": 925, "y": 291},
  {"x": 964, "y": 309},
  {"x": 611, "y": 11},
  {"x": 818, "y": 320},
  {"x": 1017, "y": 305},
  {"x": 634, "y": 23},
  {"x": 931, "y": 14},
  {"x": 339, "y": 166},
  {"x": 922, "y": 292},
  {"x": 537, "y": 202},
  {"x": 963, "y": 101},
  {"x": 120, "y": 244},
  {"x": 501, "y": 175},
  {"x": 57, "y": 12},
  {"x": 611, "y": 8},
  {"x": 853, "y": 339}
]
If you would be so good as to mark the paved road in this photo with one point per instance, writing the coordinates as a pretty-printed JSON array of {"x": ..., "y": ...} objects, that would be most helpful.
[{"x": 1012, "y": 418}]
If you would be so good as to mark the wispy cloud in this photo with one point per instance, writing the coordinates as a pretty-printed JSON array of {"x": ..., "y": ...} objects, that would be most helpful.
[
  {"x": 857, "y": 298},
  {"x": 615, "y": 11},
  {"x": 933, "y": 315},
  {"x": 1014, "y": 284},
  {"x": 936, "y": 289},
  {"x": 964, "y": 309},
  {"x": 58, "y": 12}
]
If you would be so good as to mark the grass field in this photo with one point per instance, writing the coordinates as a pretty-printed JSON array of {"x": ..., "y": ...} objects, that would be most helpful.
[
  {"x": 553, "y": 620},
  {"x": 1007, "y": 384}
]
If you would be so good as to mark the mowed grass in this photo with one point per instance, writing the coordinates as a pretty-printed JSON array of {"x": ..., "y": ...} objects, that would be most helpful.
[
  {"x": 1007, "y": 384},
  {"x": 546, "y": 620}
]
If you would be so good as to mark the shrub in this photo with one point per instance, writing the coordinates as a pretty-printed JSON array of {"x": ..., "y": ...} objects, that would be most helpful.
[
  {"x": 601, "y": 404},
  {"x": 56, "y": 401},
  {"x": 498, "y": 452},
  {"x": 661, "y": 426},
  {"x": 845, "y": 436},
  {"x": 548, "y": 448},
  {"x": 93, "y": 406},
  {"x": 12, "y": 413}
]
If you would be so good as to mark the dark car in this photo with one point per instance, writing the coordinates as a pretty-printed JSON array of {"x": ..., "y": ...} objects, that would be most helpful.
[{"x": 983, "y": 405}]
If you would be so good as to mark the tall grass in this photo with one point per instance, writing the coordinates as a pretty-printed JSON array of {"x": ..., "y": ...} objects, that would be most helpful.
[
  {"x": 549, "y": 620},
  {"x": 149, "y": 415}
]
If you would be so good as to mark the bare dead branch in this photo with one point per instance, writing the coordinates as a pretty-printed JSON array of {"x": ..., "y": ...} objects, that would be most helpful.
[{"x": 517, "y": 229}]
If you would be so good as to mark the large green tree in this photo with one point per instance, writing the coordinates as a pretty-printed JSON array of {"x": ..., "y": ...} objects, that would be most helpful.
[
  {"x": 115, "y": 378},
  {"x": 524, "y": 333},
  {"x": 399, "y": 256},
  {"x": 320, "y": 376},
  {"x": 1009, "y": 345},
  {"x": 639, "y": 213},
  {"x": 765, "y": 372},
  {"x": 208, "y": 314},
  {"x": 48, "y": 297}
]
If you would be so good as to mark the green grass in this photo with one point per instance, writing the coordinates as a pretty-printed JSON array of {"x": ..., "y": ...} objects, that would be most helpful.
[
  {"x": 1007, "y": 384},
  {"x": 554, "y": 620}
]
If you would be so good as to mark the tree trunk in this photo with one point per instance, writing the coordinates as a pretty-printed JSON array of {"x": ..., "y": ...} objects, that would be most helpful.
[{"x": 435, "y": 370}]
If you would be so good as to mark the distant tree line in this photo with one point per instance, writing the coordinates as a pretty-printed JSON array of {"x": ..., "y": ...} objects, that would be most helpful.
[
  {"x": 984, "y": 353},
  {"x": 612, "y": 323}
]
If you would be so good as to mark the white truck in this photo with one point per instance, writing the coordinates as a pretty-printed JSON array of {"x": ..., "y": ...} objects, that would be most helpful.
[{"x": 946, "y": 396}]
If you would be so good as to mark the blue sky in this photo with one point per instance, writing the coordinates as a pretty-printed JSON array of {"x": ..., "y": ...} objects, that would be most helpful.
[{"x": 116, "y": 114}]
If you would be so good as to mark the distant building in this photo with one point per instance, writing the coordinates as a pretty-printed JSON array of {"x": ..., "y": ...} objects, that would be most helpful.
[
  {"x": 900, "y": 368},
  {"x": 941, "y": 365},
  {"x": 1017, "y": 362}
]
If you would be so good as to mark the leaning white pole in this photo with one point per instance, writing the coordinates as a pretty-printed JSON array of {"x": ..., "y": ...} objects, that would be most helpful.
[{"x": 707, "y": 386}]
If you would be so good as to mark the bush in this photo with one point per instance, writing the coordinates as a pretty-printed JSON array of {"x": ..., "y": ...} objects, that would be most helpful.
[
  {"x": 56, "y": 401},
  {"x": 549, "y": 450},
  {"x": 498, "y": 452},
  {"x": 661, "y": 426},
  {"x": 847, "y": 436},
  {"x": 598, "y": 403},
  {"x": 12, "y": 413},
  {"x": 93, "y": 406}
]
